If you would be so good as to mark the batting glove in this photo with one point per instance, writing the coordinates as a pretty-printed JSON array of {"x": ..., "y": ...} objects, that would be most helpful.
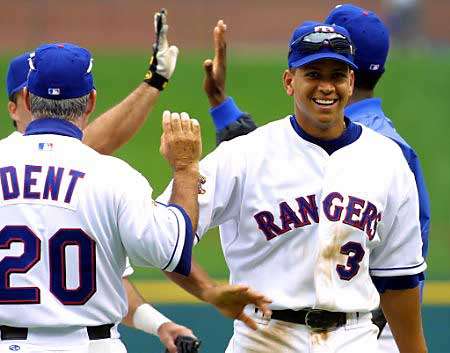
[
  {"x": 187, "y": 344},
  {"x": 164, "y": 58}
]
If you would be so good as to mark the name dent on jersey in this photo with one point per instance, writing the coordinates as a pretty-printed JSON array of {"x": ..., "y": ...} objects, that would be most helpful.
[
  {"x": 38, "y": 182},
  {"x": 354, "y": 212}
]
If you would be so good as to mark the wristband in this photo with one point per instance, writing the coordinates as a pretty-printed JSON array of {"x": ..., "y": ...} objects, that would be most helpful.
[
  {"x": 155, "y": 80},
  {"x": 225, "y": 113},
  {"x": 146, "y": 318}
]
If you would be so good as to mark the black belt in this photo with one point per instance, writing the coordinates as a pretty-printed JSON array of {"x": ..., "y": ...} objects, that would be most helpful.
[
  {"x": 314, "y": 319},
  {"x": 21, "y": 333}
]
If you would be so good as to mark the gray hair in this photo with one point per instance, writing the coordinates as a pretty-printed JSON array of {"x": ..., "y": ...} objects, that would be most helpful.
[{"x": 65, "y": 109}]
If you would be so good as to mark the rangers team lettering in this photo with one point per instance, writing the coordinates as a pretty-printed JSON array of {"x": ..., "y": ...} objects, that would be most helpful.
[
  {"x": 355, "y": 212},
  {"x": 50, "y": 185}
]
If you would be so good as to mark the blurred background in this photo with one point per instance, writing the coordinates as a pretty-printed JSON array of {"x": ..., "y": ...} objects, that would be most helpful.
[{"x": 414, "y": 90}]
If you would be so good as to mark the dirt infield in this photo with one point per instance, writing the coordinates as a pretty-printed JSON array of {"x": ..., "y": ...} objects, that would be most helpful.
[{"x": 127, "y": 24}]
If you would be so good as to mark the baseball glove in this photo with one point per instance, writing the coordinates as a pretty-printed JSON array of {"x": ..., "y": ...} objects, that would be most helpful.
[
  {"x": 186, "y": 344},
  {"x": 164, "y": 58}
]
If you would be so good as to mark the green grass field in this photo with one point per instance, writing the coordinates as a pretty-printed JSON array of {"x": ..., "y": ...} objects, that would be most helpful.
[{"x": 414, "y": 96}]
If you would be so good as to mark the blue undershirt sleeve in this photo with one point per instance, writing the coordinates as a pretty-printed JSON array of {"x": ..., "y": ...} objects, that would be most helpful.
[
  {"x": 225, "y": 113},
  {"x": 397, "y": 283}
]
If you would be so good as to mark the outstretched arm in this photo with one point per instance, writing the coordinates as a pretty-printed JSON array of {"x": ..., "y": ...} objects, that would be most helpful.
[
  {"x": 402, "y": 310},
  {"x": 229, "y": 300},
  {"x": 229, "y": 120},
  {"x": 118, "y": 125}
]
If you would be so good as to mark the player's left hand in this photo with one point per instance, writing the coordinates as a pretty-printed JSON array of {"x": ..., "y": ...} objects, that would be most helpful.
[
  {"x": 169, "y": 331},
  {"x": 215, "y": 70},
  {"x": 231, "y": 300},
  {"x": 164, "y": 58}
]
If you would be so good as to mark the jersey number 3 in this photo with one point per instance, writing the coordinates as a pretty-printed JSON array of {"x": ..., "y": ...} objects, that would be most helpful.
[
  {"x": 355, "y": 254},
  {"x": 57, "y": 264}
]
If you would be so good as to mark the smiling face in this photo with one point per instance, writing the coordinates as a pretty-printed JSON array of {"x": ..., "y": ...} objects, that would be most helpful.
[{"x": 321, "y": 90}]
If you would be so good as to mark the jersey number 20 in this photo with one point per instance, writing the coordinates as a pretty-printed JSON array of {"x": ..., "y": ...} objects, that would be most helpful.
[{"x": 57, "y": 265}]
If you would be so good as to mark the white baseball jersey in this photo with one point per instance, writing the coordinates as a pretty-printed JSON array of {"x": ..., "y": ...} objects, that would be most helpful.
[
  {"x": 308, "y": 228},
  {"x": 68, "y": 217},
  {"x": 129, "y": 270}
]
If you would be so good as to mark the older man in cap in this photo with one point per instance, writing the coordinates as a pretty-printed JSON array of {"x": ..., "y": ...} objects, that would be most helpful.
[
  {"x": 78, "y": 213},
  {"x": 109, "y": 132}
]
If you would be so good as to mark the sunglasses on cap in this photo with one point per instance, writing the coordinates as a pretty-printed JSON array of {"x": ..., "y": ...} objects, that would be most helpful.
[{"x": 315, "y": 41}]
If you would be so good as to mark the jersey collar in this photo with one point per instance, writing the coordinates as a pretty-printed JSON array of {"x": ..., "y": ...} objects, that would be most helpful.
[
  {"x": 359, "y": 109},
  {"x": 53, "y": 126},
  {"x": 350, "y": 135}
]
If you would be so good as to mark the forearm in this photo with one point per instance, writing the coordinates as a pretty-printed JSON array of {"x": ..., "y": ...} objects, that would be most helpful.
[
  {"x": 242, "y": 126},
  {"x": 185, "y": 191},
  {"x": 134, "y": 301},
  {"x": 230, "y": 121},
  {"x": 196, "y": 283},
  {"x": 117, "y": 126},
  {"x": 402, "y": 311},
  {"x": 141, "y": 315}
]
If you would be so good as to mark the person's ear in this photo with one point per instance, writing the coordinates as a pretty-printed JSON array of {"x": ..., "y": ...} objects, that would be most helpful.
[
  {"x": 288, "y": 78},
  {"x": 91, "y": 102},
  {"x": 352, "y": 82},
  {"x": 12, "y": 108},
  {"x": 26, "y": 95}
]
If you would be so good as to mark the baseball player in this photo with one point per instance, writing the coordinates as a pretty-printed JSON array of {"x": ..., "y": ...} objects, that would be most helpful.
[
  {"x": 77, "y": 213},
  {"x": 106, "y": 135},
  {"x": 371, "y": 38},
  {"x": 228, "y": 299},
  {"x": 318, "y": 213}
]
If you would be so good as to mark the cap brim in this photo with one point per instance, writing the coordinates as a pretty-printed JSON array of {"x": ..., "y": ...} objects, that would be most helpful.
[
  {"x": 322, "y": 56},
  {"x": 17, "y": 89}
]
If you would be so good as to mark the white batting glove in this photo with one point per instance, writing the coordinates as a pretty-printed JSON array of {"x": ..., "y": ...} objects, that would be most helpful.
[{"x": 164, "y": 58}]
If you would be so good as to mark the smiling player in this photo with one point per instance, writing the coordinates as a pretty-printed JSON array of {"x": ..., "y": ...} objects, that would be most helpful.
[
  {"x": 308, "y": 218},
  {"x": 371, "y": 38}
]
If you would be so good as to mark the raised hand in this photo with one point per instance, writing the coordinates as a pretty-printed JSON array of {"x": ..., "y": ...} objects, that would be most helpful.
[
  {"x": 215, "y": 70},
  {"x": 164, "y": 58},
  {"x": 181, "y": 143}
]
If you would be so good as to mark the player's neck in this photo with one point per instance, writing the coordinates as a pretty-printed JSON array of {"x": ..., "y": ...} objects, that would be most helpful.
[
  {"x": 325, "y": 132},
  {"x": 360, "y": 94}
]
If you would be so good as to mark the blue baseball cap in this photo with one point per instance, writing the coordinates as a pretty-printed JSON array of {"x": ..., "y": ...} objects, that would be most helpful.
[
  {"x": 314, "y": 41},
  {"x": 60, "y": 71},
  {"x": 369, "y": 34},
  {"x": 16, "y": 79}
]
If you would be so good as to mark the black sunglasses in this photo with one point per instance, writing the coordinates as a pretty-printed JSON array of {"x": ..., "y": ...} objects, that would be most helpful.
[{"x": 315, "y": 41}]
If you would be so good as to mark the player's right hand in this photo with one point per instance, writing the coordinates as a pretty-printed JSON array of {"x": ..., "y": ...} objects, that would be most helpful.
[
  {"x": 215, "y": 70},
  {"x": 164, "y": 58},
  {"x": 169, "y": 331},
  {"x": 181, "y": 142},
  {"x": 231, "y": 300}
]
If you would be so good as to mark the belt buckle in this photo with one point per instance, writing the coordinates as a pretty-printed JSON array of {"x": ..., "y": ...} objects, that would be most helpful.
[{"x": 316, "y": 322}]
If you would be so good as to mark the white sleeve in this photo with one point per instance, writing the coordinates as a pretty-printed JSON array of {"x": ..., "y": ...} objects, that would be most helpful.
[
  {"x": 129, "y": 270},
  {"x": 400, "y": 250},
  {"x": 223, "y": 169},
  {"x": 154, "y": 234}
]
